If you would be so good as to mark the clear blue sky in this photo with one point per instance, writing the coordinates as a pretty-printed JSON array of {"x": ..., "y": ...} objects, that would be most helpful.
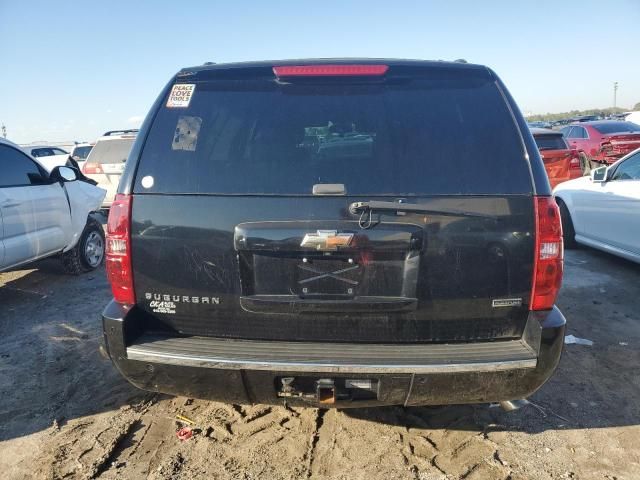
[{"x": 71, "y": 70}]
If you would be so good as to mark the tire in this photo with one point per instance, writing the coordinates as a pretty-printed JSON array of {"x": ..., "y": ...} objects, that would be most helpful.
[
  {"x": 585, "y": 164},
  {"x": 568, "y": 232},
  {"x": 88, "y": 254}
]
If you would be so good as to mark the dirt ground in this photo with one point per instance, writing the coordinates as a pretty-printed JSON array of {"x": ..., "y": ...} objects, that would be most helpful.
[{"x": 66, "y": 413}]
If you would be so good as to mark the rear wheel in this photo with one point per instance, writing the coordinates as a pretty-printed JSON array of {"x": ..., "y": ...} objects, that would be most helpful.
[
  {"x": 568, "y": 232},
  {"x": 88, "y": 254}
]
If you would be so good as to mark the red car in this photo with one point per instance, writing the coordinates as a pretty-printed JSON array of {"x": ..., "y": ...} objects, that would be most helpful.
[
  {"x": 603, "y": 141},
  {"x": 561, "y": 162}
]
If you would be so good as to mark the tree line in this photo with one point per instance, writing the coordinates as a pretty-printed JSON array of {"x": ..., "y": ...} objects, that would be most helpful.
[{"x": 550, "y": 117}]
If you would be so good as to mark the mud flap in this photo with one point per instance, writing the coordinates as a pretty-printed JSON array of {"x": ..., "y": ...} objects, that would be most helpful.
[{"x": 84, "y": 198}]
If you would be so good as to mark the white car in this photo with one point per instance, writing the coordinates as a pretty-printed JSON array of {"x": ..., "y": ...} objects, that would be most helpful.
[
  {"x": 603, "y": 210},
  {"x": 633, "y": 117},
  {"x": 48, "y": 156},
  {"x": 43, "y": 214},
  {"x": 107, "y": 159}
]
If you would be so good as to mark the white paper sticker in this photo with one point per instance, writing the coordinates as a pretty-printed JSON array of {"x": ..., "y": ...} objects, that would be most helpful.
[
  {"x": 147, "y": 181},
  {"x": 185, "y": 136},
  {"x": 180, "y": 95}
]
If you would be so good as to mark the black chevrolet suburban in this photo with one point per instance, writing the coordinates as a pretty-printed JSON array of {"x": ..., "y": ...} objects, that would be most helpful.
[{"x": 335, "y": 233}]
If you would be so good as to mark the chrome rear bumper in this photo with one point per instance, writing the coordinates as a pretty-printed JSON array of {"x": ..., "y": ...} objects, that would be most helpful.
[{"x": 332, "y": 358}]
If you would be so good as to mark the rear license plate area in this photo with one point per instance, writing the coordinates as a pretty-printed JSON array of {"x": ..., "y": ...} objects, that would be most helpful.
[
  {"x": 327, "y": 390},
  {"x": 325, "y": 276}
]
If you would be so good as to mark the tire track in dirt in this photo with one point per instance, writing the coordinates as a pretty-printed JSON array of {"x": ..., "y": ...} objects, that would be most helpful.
[
  {"x": 313, "y": 441},
  {"x": 400, "y": 443},
  {"x": 351, "y": 447},
  {"x": 453, "y": 438},
  {"x": 84, "y": 450},
  {"x": 234, "y": 441}
]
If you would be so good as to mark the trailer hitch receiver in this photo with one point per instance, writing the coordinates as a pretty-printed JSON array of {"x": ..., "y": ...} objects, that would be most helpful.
[{"x": 326, "y": 391}]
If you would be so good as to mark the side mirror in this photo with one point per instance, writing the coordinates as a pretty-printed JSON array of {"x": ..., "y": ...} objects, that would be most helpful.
[
  {"x": 64, "y": 174},
  {"x": 599, "y": 175}
]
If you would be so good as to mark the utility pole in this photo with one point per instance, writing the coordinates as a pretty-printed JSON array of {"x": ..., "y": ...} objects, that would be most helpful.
[
  {"x": 4, "y": 131},
  {"x": 615, "y": 93}
]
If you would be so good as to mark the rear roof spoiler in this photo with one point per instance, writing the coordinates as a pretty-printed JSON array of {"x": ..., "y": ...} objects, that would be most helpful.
[
  {"x": 265, "y": 68},
  {"x": 111, "y": 133}
]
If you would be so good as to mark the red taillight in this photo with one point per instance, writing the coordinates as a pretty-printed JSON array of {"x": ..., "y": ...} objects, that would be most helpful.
[
  {"x": 91, "y": 167},
  {"x": 329, "y": 70},
  {"x": 118, "y": 252},
  {"x": 575, "y": 159},
  {"x": 547, "y": 264}
]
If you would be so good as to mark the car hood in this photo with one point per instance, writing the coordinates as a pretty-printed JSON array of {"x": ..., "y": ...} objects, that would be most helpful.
[{"x": 575, "y": 184}]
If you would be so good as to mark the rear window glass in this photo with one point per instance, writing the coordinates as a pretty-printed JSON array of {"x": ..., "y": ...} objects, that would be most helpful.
[
  {"x": 82, "y": 152},
  {"x": 42, "y": 152},
  {"x": 424, "y": 136},
  {"x": 111, "y": 151},
  {"x": 617, "y": 127},
  {"x": 550, "y": 142}
]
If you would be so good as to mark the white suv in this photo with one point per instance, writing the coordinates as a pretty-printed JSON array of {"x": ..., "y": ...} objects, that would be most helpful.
[
  {"x": 106, "y": 161},
  {"x": 44, "y": 214},
  {"x": 80, "y": 153}
]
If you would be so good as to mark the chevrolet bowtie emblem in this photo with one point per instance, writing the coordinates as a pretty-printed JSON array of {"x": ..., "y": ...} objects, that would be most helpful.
[{"x": 326, "y": 240}]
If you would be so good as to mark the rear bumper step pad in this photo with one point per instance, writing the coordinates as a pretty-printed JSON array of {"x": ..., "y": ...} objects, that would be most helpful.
[{"x": 196, "y": 351}]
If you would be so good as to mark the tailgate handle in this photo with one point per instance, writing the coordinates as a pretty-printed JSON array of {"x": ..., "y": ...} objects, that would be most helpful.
[{"x": 329, "y": 189}]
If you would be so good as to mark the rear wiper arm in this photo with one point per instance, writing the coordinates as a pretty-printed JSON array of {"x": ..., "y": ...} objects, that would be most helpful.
[{"x": 376, "y": 205}]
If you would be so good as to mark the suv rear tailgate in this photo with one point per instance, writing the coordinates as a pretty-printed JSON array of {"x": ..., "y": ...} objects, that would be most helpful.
[
  {"x": 412, "y": 278},
  {"x": 229, "y": 239}
]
